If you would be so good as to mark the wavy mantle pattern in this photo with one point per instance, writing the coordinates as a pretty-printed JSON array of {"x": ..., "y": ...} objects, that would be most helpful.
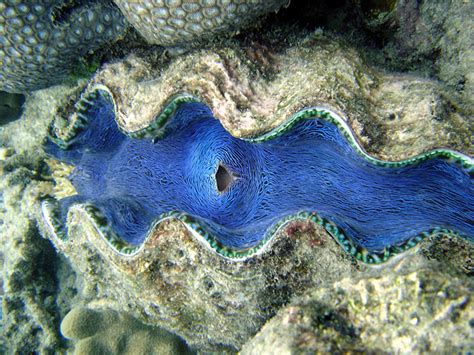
[{"x": 235, "y": 194}]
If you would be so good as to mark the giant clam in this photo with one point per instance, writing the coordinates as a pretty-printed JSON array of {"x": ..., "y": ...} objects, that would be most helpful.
[{"x": 172, "y": 279}]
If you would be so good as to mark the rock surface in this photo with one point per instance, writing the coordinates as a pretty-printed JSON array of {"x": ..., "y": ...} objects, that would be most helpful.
[{"x": 396, "y": 311}]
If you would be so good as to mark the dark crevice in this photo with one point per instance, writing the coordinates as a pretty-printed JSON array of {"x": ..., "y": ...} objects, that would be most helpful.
[
  {"x": 11, "y": 107},
  {"x": 224, "y": 178},
  {"x": 62, "y": 13}
]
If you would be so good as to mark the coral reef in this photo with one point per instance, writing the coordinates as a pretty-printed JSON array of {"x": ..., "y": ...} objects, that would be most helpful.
[
  {"x": 252, "y": 85},
  {"x": 29, "y": 274},
  {"x": 403, "y": 312},
  {"x": 41, "y": 42},
  {"x": 175, "y": 22},
  {"x": 109, "y": 332},
  {"x": 178, "y": 284}
]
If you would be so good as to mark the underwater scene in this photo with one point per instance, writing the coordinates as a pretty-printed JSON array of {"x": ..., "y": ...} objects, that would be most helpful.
[{"x": 236, "y": 176}]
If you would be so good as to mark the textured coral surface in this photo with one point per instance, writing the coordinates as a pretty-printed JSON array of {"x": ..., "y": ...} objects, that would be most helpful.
[
  {"x": 41, "y": 41},
  {"x": 109, "y": 332},
  {"x": 176, "y": 22}
]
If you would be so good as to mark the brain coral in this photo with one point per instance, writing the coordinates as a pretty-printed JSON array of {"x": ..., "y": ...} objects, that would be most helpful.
[
  {"x": 41, "y": 40},
  {"x": 169, "y": 22}
]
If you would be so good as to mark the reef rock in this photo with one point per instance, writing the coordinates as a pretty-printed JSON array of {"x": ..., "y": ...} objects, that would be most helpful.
[
  {"x": 37, "y": 285},
  {"x": 434, "y": 37},
  {"x": 396, "y": 311}
]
